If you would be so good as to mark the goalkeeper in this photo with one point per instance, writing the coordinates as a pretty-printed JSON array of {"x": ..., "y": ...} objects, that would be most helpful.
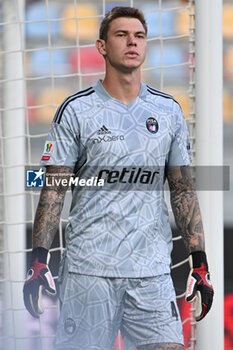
[{"x": 115, "y": 271}]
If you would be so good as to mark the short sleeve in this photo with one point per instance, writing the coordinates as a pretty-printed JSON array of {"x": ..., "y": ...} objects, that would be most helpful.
[
  {"x": 62, "y": 144},
  {"x": 180, "y": 152}
]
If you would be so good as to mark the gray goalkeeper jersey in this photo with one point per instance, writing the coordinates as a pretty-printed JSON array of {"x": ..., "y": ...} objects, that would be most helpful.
[{"x": 118, "y": 231}]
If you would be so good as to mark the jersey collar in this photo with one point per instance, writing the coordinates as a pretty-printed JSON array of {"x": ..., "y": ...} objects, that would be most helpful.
[{"x": 104, "y": 95}]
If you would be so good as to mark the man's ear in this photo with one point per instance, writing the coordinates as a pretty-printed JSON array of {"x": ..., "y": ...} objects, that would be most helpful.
[{"x": 100, "y": 45}]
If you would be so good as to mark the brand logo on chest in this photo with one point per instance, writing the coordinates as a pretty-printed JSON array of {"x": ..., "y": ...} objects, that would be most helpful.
[{"x": 105, "y": 135}]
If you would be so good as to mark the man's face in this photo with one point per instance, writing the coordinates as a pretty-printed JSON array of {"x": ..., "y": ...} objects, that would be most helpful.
[{"x": 125, "y": 48}]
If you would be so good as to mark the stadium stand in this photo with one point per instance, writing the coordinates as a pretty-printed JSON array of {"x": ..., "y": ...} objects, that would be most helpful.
[
  {"x": 228, "y": 63},
  {"x": 228, "y": 21},
  {"x": 37, "y": 63},
  {"x": 40, "y": 62},
  {"x": 49, "y": 100},
  {"x": 182, "y": 98},
  {"x": 166, "y": 19},
  {"x": 90, "y": 60},
  {"x": 227, "y": 106},
  {"x": 182, "y": 22},
  {"x": 85, "y": 29},
  {"x": 38, "y": 12},
  {"x": 171, "y": 55}
]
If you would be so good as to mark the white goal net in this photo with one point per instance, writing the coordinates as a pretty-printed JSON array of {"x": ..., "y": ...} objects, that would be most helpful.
[{"x": 47, "y": 53}]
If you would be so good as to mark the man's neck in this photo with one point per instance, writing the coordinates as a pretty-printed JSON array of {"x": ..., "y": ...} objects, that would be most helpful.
[{"x": 123, "y": 87}]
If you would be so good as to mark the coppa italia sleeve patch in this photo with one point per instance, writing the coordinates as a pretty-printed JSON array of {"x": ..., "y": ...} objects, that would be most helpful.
[{"x": 48, "y": 150}]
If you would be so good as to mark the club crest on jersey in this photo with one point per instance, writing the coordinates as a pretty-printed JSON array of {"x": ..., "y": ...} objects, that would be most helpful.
[
  {"x": 152, "y": 125},
  {"x": 69, "y": 326}
]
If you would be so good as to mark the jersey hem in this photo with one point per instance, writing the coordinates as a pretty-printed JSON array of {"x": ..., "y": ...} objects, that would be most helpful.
[
  {"x": 155, "y": 341},
  {"x": 124, "y": 274}
]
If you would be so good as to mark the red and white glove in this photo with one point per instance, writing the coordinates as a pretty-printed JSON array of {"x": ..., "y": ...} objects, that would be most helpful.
[
  {"x": 199, "y": 285},
  {"x": 39, "y": 277}
]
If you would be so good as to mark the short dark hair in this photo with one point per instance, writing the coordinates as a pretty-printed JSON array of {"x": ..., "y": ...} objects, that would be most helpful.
[{"x": 120, "y": 11}]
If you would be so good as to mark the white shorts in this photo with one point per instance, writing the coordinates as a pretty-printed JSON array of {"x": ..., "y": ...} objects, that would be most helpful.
[{"x": 94, "y": 309}]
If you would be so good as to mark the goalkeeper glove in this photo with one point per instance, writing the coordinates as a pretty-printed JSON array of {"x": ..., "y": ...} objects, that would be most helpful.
[
  {"x": 199, "y": 285},
  {"x": 39, "y": 277}
]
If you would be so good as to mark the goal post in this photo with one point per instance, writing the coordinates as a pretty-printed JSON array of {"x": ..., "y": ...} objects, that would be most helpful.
[{"x": 209, "y": 152}]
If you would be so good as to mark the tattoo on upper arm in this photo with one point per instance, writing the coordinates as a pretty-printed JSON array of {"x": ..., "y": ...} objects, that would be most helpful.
[
  {"x": 185, "y": 207},
  {"x": 49, "y": 208}
]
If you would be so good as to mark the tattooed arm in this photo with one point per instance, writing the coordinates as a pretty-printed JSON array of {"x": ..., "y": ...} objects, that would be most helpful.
[
  {"x": 49, "y": 208},
  {"x": 188, "y": 219},
  {"x": 185, "y": 207},
  {"x": 46, "y": 222}
]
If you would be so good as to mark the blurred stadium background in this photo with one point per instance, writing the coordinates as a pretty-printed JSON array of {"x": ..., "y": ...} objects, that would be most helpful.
[{"x": 57, "y": 63}]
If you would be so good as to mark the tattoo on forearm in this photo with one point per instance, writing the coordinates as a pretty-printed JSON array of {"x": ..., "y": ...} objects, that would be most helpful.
[
  {"x": 49, "y": 210},
  {"x": 186, "y": 208},
  {"x": 161, "y": 346}
]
